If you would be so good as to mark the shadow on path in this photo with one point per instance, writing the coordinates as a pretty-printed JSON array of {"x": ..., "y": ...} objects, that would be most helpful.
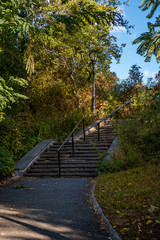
[
  {"x": 45, "y": 232},
  {"x": 55, "y": 208}
]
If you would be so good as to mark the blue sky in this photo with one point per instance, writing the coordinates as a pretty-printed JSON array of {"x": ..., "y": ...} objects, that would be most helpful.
[{"x": 136, "y": 17}]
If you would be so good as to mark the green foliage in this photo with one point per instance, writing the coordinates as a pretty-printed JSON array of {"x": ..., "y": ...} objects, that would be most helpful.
[
  {"x": 8, "y": 96},
  {"x": 139, "y": 137},
  {"x": 128, "y": 157},
  {"x": 132, "y": 86},
  {"x": 15, "y": 27},
  {"x": 146, "y": 4},
  {"x": 6, "y": 163},
  {"x": 51, "y": 51},
  {"x": 23, "y": 133},
  {"x": 149, "y": 41},
  {"x": 21, "y": 186},
  {"x": 151, "y": 142}
]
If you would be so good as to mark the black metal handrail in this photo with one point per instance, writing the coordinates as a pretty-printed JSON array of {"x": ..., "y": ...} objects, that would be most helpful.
[
  {"x": 70, "y": 135},
  {"x": 116, "y": 111}
]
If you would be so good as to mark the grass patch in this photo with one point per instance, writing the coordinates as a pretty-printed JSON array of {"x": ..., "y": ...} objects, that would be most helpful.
[{"x": 131, "y": 201}]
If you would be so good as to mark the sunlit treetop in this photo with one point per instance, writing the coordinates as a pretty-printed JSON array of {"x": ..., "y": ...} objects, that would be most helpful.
[
  {"x": 147, "y": 4},
  {"x": 149, "y": 42}
]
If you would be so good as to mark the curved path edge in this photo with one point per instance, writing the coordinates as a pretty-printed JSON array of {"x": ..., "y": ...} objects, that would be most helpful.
[{"x": 112, "y": 232}]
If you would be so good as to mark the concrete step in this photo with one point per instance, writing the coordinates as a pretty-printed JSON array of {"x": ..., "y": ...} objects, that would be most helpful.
[
  {"x": 63, "y": 174},
  {"x": 41, "y": 174},
  {"x": 80, "y": 146},
  {"x": 81, "y": 143},
  {"x": 64, "y": 166},
  {"x": 63, "y": 169},
  {"x": 85, "y": 160},
  {"x": 71, "y": 159},
  {"x": 76, "y": 151}
]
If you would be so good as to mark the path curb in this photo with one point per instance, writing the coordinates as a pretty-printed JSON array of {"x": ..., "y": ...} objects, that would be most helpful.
[{"x": 112, "y": 232}]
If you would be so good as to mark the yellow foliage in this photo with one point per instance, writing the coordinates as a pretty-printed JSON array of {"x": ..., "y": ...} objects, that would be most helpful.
[
  {"x": 149, "y": 221},
  {"x": 124, "y": 229},
  {"x": 117, "y": 211}
]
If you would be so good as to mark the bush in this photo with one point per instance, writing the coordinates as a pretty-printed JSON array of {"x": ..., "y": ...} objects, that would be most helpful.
[
  {"x": 149, "y": 142},
  {"x": 140, "y": 141},
  {"x": 127, "y": 158},
  {"x": 6, "y": 163}
]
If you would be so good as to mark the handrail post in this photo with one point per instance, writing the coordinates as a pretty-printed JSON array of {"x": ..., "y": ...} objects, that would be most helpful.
[
  {"x": 84, "y": 135},
  {"x": 72, "y": 145},
  {"x": 98, "y": 124},
  {"x": 59, "y": 163},
  {"x": 117, "y": 115}
]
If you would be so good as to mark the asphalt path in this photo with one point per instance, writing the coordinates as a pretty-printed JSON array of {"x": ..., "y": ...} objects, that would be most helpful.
[{"x": 50, "y": 208}]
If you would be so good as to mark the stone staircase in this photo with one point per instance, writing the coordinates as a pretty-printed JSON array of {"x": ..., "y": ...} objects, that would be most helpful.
[{"x": 86, "y": 155}]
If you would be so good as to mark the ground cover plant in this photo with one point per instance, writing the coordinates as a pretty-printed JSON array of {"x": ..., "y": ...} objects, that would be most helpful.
[{"x": 131, "y": 201}]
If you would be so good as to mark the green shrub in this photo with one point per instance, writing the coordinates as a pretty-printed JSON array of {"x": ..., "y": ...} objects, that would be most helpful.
[
  {"x": 20, "y": 134},
  {"x": 149, "y": 142},
  {"x": 6, "y": 163},
  {"x": 127, "y": 158},
  {"x": 140, "y": 141}
]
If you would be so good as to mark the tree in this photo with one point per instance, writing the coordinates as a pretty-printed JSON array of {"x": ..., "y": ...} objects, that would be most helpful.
[
  {"x": 135, "y": 76},
  {"x": 15, "y": 26},
  {"x": 61, "y": 49},
  {"x": 8, "y": 93},
  {"x": 152, "y": 82},
  {"x": 14, "y": 29},
  {"x": 130, "y": 86},
  {"x": 149, "y": 42}
]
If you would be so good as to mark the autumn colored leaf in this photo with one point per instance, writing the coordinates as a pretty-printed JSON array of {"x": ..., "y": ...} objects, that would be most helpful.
[
  {"x": 124, "y": 229},
  {"x": 149, "y": 221}
]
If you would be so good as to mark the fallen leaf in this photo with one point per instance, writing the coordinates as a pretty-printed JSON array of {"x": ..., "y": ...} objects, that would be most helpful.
[
  {"x": 117, "y": 211},
  {"x": 124, "y": 229},
  {"x": 134, "y": 221},
  {"x": 149, "y": 221}
]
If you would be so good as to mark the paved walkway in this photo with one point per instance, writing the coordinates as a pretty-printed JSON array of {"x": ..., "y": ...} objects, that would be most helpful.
[{"x": 52, "y": 208}]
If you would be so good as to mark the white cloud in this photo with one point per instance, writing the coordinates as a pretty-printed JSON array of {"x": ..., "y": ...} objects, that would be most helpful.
[
  {"x": 121, "y": 9},
  {"x": 134, "y": 36},
  {"x": 153, "y": 74},
  {"x": 148, "y": 74},
  {"x": 118, "y": 29}
]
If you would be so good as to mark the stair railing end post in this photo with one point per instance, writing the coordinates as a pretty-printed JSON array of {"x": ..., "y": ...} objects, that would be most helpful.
[
  {"x": 59, "y": 162},
  {"x": 117, "y": 115},
  {"x": 72, "y": 145},
  {"x": 84, "y": 134},
  {"x": 98, "y": 124}
]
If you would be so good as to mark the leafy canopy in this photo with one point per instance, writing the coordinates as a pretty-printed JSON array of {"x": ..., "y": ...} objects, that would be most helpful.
[
  {"x": 149, "y": 42},
  {"x": 14, "y": 25}
]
